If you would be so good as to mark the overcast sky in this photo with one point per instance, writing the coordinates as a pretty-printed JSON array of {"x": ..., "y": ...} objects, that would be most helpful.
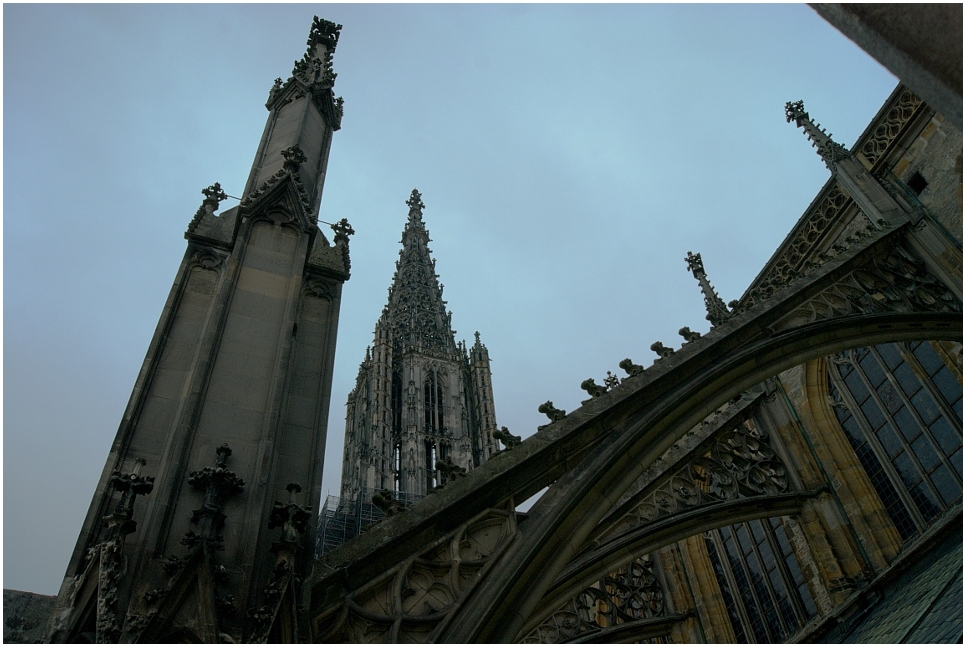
[{"x": 569, "y": 156}]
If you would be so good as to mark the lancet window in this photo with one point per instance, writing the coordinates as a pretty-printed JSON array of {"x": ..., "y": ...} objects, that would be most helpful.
[
  {"x": 761, "y": 581},
  {"x": 396, "y": 405},
  {"x": 901, "y": 409},
  {"x": 433, "y": 404}
]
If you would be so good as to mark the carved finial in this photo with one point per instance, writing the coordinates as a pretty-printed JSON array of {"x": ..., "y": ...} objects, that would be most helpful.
[
  {"x": 611, "y": 381},
  {"x": 324, "y": 32},
  {"x": 830, "y": 151},
  {"x": 276, "y": 88},
  {"x": 316, "y": 65},
  {"x": 416, "y": 205},
  {"x": 717, "y": 310},
  {"x": 342, "y": 231},
  {"x": 213, "y": 196},
  {"x": 476, "y": 335},
  {"x": 294, "y": 157}
]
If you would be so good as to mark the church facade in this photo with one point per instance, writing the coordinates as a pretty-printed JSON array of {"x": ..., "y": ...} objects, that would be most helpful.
[
  {"x": 422, "y": 401},
  {"x": 793, "y": 474}
]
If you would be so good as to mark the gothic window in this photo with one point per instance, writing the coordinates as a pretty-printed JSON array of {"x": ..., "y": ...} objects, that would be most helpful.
[
  {"x": 433, "y": 404},
  {"x": 430, "y": 465},
  {"x": 397, "y": 402},
  {"x": 761, "y": 582},
  {"x": 397, "y": 466},
  {"x": 902, "y": 411}
]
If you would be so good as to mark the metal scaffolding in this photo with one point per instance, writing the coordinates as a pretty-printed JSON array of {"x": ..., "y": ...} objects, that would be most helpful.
[{"x": 341, "y": 520}]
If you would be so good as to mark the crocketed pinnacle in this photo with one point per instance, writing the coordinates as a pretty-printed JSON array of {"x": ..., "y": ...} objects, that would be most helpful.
[
  {"x": 830, "y": 151},
  {"x": 718, "y": 312}
]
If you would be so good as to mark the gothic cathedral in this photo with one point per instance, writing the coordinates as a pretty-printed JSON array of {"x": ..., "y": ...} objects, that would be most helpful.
[{"x": 422, "y": 408}]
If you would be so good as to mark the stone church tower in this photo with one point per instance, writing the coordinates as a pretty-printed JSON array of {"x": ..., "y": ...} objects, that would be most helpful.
[
  {"x": 197, "y": 527},
  {"x": 419, "y": 397}
]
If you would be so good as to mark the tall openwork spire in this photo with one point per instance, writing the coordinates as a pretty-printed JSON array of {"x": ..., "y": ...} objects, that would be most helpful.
[
  {"x": 718, "y": 312},
  {"x": 421, "y": 412},
  {"x": 416, "y": 311},
  {"x": 829, "y": 150}
]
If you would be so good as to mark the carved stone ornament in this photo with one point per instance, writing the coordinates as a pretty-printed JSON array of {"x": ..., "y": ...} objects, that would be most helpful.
[
  {"x": 551, "y": 412},
  {"x": 663, "y": 351},
  {"x": 740, "y": 463},
  {"x": 592, "y": 388},
  {"x": 318, "y": 287},
  {"x": 213, "y": 197},
  {"x": 504, "y": 436},
  {"x": 449, "y": 469},
  {"x": 630, "y": 367},
  {"x": 894, "y": 281},
  {"x": 291, "y": 517},
  {"x": 689, "y": 335},
  {"x": 632, "y": 593},
  {"x": 889, "y": 129},
  {"x": 267, "y": 185},
  {"x": 263, "y": 616},
  {"x": 412, "y": 601},
  {"x": 800, "y": 248},
  {"x": 207, "y": 258},
  {"x": 384, "y": 501},
  {"x": 217, "y": 483}
]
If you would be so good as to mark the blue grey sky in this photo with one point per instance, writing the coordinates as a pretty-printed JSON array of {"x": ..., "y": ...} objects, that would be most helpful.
[{"x": 569, "y": 156}]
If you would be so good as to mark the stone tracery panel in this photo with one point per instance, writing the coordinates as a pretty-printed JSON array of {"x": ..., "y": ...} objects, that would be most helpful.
[
  {"x": 411, "y": 601},
  {"x": 631, "y": 594},
  {"x": 894, "y": 281}
]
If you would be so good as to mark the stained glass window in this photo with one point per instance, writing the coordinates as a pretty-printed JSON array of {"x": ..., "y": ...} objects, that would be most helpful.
[
  {"x": 760, "y": 579},
  {"x": 901, "y": 409}
]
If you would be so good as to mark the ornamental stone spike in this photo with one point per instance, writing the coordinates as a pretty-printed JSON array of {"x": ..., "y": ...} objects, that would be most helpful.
[
  {"x": 718, "y": 312},
  {"x": 830, "y": 151},
  {"x": 416, "y": 206}
]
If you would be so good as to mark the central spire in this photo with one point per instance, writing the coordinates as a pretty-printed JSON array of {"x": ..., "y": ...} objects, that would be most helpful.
[{"x": 416, "y": 312}]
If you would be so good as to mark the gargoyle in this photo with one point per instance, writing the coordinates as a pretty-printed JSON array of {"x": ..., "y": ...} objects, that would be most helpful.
[
  {"x": 451, "y": 470},
  {"x": 595, "y": 390},
  {"x": 551, "y": 412},
  {"x": 384, "y": 501},
  {"x": 689, "y": 335},
  {"x": 504, "y": 436},
  {"x": 630, "y": 367},
  {"x": 661, "y": 350}
]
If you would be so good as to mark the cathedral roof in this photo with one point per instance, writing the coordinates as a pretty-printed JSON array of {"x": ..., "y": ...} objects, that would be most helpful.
[{"x": 416, "y": 315}]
